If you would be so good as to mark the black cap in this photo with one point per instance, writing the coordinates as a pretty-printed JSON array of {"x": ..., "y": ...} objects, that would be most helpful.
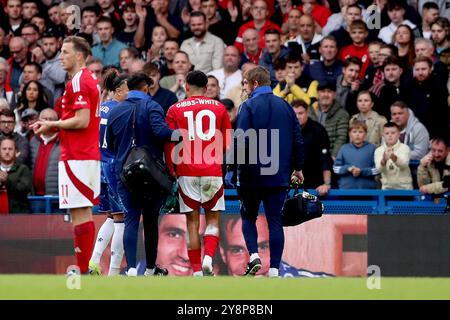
[
  {"x": 50, "y": 33},
  {"x": 327, "y": 85},
  {"x": 228, "y": 103}
]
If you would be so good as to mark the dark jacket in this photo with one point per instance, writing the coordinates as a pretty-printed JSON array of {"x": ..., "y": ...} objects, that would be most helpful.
[
  {"x": 150, "y": 128},
  {"x": 268, "y": 114},
  {"x": 346, "y": 97},
  {"x": 388, "y": 95},
  {"x": 51, "y": 176},
  {"x": 318, "y": 71},
  {"x": 18, "y": 185},
  {"x": 317, "y": 153},
  {"x": 428, "y": 100}
]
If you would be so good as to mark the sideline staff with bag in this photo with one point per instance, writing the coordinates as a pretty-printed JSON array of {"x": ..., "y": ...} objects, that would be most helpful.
[
  {"x": 150, "y": 131},
  {"x": 279, "y": 137}
]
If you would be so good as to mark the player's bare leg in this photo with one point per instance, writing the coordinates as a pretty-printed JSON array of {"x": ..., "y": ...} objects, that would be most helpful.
[
  {"x": 84, "y": 230},
  {"x": 194, "y": 245},
  {"x": 210, "y": 240}
]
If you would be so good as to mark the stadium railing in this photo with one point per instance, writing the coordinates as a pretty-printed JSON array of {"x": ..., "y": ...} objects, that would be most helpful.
[{"x": 349, "y": 201}]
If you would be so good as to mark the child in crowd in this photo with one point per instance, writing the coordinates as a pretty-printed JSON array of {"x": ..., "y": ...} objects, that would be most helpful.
[
  {"x": 355, "y": 160},
  {"x": 392, "y": 160},
  {"x": 359, "y": 48}
]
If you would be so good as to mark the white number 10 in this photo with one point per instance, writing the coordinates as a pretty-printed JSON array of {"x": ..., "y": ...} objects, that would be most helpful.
[{"x": 198, "y": 128}]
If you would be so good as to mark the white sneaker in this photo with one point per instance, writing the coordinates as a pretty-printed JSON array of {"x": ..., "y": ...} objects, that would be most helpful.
[
  {"x": 207, "y": 267},
  {"x": 149, "y": 272},
  {"x": 132, "y": 272},
  {"x": 273, "y": 273},
  {"x": 198, "y": 274}
]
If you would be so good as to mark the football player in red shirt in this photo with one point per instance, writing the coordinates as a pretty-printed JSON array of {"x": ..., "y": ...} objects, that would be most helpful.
[
  {"x": 197, "y": 162},
  {"x": 79, "y": 163}
]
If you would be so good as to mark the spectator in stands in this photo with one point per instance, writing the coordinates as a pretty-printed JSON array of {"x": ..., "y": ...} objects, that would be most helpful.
[
  {"x": 307, "y": 41},
  {"x": 291, "y": 29},
  {"x": 29, "y": 9},
  {"x": 95, "y": 66},
  {"x": 433, "y": 167},
  {"x": 251, "y": 52},
  {"x": 30, "y": 33},
  {"x": 348, "y": 84},
  {"x": 5, "y": 90},
  {"x": 163, "y": 96},
  {"x": 355, "y": 160},
  {"x": 89, "y": 17},
  {"x": 296, "y": 85},
  {"x": 4, "y": 105},
  {"x": 109, "y": 48},
  {"x": 430, "y": 13},
  {"x": 338, "y": 19},
  {"x": 176, "y": 82},
  {"x": 374, "y": 76},
  {"x": 396, "y": 12},
  {"x": 155, "y": 52},
  {"x": 371, "y": 118},
  {"x": 231, "y": 110},
  {"x": 7, "y": 124},
  {"x": 316, "y": 143},
  {"x": 53, "y": 75},
  {"x": 440, "y": 34},
  {"x": 259, "y": 12},
  {"x": 170, "y": 47},
  {"x": 13, "y": 10},
  {"x": 32, "y": 96},
  {"x": 126, "y": 56},
  {"x": 205, "y": 50},
  {"x": 425, "y": 48},
  {"x": 4, "y": 49},
  {"x": 391, "y": 89},
  {"x": 317, "y": 10},
  {"x": 359, "y": 48},
  {"x": 213, "y": 88},
  {"x": 155, "y": 14},
  {"x": 136, "y": 66},
  {"x": 280, "y": 70},
  {"x": 109, "y": 10},
  {"x": 374, "y": 67},
  {"x": 342, "y": 34},
  {"x": 331, "y": 115},
  {"x": 19, "y": 58},
  {"x": 44, "y": 150},
  {"x": 392, "y": 160},
  {"x": 412, "y": 132},
  {"x": 274, "y": 50},
  {"x": 230, "y": 75},
  {"x": 15, "y": 179},
  {"x": 223, "y": 27},
  {"x": 238, "y": 94},
  {"x": 29, "y": 116},
  {"x": 404, "y": 40},
  {"x": 56, "y": 23},
  {"x": 329, "y": 67},
  {"x": 428, "y": 98},
  {"x": 131, "y": 20}
]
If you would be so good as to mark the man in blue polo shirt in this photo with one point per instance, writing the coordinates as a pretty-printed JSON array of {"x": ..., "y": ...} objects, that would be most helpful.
[{"x": 109, "y": 48}]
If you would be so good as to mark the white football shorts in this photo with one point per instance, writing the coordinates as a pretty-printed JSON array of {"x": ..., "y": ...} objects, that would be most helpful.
[{"x": 196, "y": 192}]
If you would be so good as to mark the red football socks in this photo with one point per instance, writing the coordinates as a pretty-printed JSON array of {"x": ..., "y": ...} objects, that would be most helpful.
[
  {"x": 84, "y": 244},
  {"x": 210, "y": 242},
  {"x": 195, "y": 259}
]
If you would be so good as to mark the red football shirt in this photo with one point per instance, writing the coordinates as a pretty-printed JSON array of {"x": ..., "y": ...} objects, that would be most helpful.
[
  {"x": 359, "y": 52},
  {"x": 205, "y": 128},
  {"x": 81, "y": 92}
]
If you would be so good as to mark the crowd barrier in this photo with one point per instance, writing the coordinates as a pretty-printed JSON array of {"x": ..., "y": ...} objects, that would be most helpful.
[{"x": 349, "y": 201}]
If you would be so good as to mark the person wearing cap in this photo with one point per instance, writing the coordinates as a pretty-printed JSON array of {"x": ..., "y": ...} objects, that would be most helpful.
[
  {"x": 331, "y": 115},
  {"x": 29, "y": 116}
]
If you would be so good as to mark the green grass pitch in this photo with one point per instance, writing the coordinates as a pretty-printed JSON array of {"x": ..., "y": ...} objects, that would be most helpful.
[{"x": 220, "y": 288}]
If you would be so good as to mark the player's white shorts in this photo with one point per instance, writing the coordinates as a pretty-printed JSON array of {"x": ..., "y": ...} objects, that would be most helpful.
[
  {"x": 79, "y": 183},
  {"x": 196, "y": 192}
]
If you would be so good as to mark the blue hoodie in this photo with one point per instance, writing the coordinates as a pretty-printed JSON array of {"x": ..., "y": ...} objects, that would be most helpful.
[
  {"x": 363, "y": 158},
  {"x": 150, "y": 128},
  {"x": 263, "y": 110}
]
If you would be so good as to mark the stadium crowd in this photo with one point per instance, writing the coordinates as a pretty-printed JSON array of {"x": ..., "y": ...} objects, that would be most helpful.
[{"x": 368, "y": 80}]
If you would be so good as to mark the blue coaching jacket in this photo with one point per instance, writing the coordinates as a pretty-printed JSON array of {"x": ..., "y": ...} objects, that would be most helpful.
[
  {"x": 150, "y": 128},
  {"x": 263, "y": 110}
]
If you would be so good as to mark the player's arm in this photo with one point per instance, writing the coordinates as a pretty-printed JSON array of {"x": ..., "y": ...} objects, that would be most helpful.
[{"x": 79, "y": 121}]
